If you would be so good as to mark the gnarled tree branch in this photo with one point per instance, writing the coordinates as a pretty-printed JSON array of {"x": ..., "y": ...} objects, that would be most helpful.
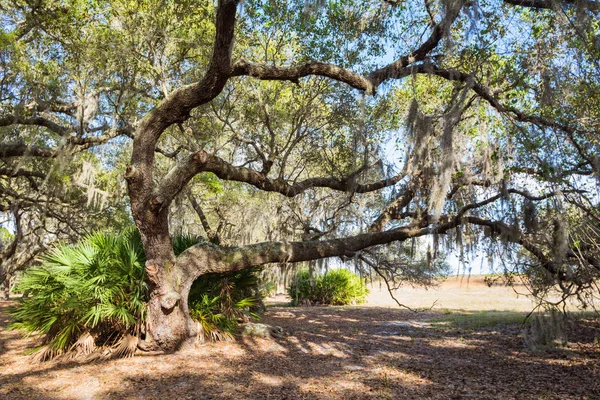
[
  {"x": 203, "y": 161},
  {"x": 367, "y": 83},
  {"x": 589, "y": 5}
]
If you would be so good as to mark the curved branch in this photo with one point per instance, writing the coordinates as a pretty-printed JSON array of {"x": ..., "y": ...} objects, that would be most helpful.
[
  {"x": 208, "y": 258},
  {"x": 9, "y": 120},
  {"x": 73, "y": 144},
  {"x": 203, "y": 161},
  {"x": 294, "y": 73},
  {"x": 178, "y": 105},
  {"x": 17, "y": 150},
  {"x": 367, "y": 83},
  {"x": 224, "y": 259},
  {"x": 393, "y": 211},
  {"x": 91, "y": 141},
  {"x": 394, "y": 70},
  {"x": 484, "y": 93},
  {"x": 589, "y": 5},
  {"x": 514, "y": 236},
  {"x": 13, "y": 173}
]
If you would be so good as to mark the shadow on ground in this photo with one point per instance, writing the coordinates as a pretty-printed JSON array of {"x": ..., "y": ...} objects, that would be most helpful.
[{"x": 328, "y": 353}]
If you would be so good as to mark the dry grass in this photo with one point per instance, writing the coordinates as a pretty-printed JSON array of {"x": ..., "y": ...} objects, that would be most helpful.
[
  {"x": 371, "y": 352},
  {"x": 458, "y": 293},
  {"x": 454, "y": 293}
]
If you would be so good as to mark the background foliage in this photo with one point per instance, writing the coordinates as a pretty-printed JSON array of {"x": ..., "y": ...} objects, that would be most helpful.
[{"x": 334, "y": 287}]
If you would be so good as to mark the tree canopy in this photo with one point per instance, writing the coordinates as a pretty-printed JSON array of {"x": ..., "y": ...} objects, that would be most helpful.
[{"x": 301, "y": 130}]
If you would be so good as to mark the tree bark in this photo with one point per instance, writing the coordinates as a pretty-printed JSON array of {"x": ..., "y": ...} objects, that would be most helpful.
[
  {"x": 168, "y": 315},
  {"x": 169, "y": 324},
  {"x": 6, "y": 283}
]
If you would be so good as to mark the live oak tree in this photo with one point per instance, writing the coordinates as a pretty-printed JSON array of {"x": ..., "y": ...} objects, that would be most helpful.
[{"x": 472, "y": 122}]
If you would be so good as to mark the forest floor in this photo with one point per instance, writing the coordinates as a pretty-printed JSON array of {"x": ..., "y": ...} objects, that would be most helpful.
[{"x": 463, "y": 349}]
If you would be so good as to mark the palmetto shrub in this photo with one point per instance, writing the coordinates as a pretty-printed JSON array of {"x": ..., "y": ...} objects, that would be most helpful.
[
  {"x": 335, "y": 287},
  {"x": 88, "y": 300},
  {"x": 219, "y": 301},
  {"x": 215, "y": 321},
  {"x": 185, "y": 241},
  {"x": 84, "y": 296}
]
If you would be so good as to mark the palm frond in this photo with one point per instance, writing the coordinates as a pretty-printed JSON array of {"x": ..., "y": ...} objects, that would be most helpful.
[
  {"x": 91, "y": 291},
  {"x": 125, "y": 347}
]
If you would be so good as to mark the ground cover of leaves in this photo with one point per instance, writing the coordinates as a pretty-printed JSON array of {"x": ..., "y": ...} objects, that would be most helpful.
[{"x": 327, "y": 353}]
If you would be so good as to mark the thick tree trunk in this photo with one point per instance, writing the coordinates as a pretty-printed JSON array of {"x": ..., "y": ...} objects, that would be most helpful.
[
  {"x": 168, "y": 322},
  {"x": 168, "y": 316}
]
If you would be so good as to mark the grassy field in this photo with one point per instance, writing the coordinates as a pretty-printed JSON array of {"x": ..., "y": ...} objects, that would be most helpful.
[
  {"x": 458, "y": 293},
  {"x": 455, "y": 293}
]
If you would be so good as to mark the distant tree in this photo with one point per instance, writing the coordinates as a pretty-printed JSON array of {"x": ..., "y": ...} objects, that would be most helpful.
[
  {"x": 472, "y": 122},
  {"x": 44, "y": 201},
  {"x": 37, "y": 217}
]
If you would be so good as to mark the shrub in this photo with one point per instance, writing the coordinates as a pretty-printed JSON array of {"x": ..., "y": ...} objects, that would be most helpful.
[
  {"x": 219, "y": 301},
  {"x": 335, "y": 287},
  {"x": 218, "y": 319},
  {"x": 86, "y": 295},
  {"x": 340, "y": 286},
  {"x": 92, "y": 295},
  {"x": 302, "y": 289},
  {"x": 185, "y": 241}
]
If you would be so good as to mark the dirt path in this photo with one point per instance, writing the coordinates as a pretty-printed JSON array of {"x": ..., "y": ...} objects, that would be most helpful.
[{"x": 328, "y": 353}]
